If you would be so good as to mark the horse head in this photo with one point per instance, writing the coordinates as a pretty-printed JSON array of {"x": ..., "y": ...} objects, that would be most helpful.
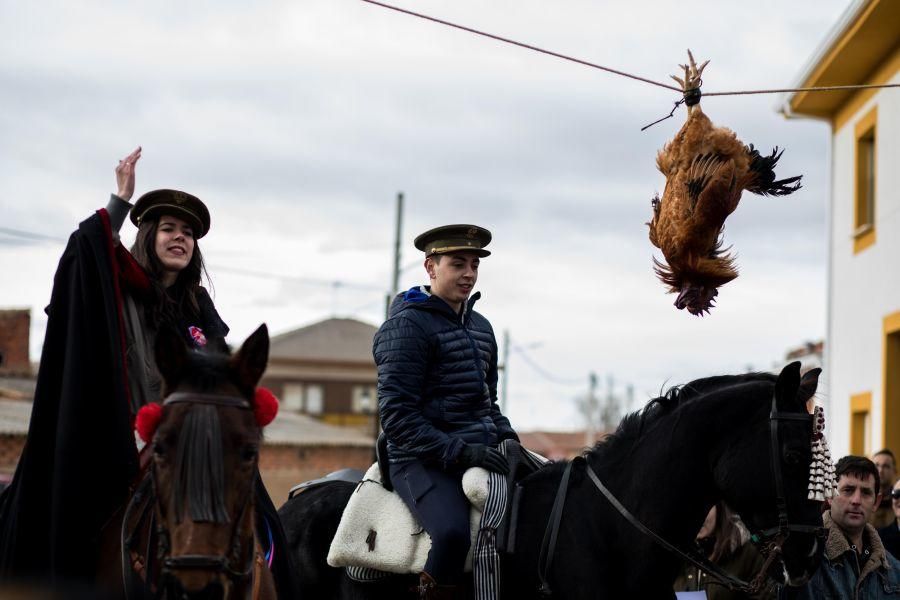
[
  {"x": 763, "y": 473},
  {"x": 204, "y": 465}
]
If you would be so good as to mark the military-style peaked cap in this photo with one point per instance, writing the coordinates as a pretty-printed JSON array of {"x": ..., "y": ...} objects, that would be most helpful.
[
  {"x": 454, "y": 238},
  {"x": 172, "y": 202}
]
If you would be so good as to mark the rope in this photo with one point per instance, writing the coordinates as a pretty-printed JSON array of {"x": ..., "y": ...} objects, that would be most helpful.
[
  {"x": 668, "y": 116},
  {"x": 829, "y": 88},
  {"x": 522, "y": 45}
]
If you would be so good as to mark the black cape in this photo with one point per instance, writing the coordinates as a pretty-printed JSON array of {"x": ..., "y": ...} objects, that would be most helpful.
[
  {"x": 80, "y": 457},
  {"x": 80, "y": 462}
]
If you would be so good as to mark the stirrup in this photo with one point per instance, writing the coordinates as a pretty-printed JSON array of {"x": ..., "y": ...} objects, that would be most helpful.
[
  {"x": 429, "y": 589},
  {"x": 426, "y": 585}
]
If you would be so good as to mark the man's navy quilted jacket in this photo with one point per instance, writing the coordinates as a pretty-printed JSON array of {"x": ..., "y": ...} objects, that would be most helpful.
[{"x": 437, "y": 379}]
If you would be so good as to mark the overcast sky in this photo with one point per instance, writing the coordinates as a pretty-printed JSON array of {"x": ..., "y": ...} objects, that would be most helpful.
[{"x": 298, "y": 123}]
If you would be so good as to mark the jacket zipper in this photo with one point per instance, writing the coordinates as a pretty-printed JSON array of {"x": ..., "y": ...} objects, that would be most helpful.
[{"x": 475, "y": 362}]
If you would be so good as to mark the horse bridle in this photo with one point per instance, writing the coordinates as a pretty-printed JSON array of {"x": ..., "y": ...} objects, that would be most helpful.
[
  {"x": 771, "y": 539},
  {"x": 218, "y": 563}
]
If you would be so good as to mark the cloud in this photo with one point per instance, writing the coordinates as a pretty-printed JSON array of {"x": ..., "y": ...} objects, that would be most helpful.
[{"x": 299, "y": 123}]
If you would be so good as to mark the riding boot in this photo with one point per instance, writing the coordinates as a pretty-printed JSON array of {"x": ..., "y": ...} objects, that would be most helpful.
[{"x": 429, "y": 589}]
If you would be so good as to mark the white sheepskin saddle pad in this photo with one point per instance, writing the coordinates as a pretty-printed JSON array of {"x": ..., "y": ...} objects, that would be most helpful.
[{"x": 400, "y": 545}]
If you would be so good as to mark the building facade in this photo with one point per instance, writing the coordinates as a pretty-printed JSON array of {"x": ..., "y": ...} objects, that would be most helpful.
[
  {"x": 862, "y": 353},
  {"x": 296, "y": 447},
  {"x": 326, "y": 370}
]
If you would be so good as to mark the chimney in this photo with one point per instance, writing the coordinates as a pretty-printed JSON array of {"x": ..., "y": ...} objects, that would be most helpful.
[{"x": 15, "y": 325}]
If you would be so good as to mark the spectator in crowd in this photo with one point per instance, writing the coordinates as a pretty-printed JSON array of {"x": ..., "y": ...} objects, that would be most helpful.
[
  {"x": 855, "y": 565},
  {"x": 890, "y": 535},
  {"x": 724, "y": 540},
  {"x": 887, "y": 474}
]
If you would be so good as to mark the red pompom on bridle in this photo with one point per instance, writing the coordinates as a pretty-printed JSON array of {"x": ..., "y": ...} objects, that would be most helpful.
[
  {"x": 147, "y": 420},
  {"x": 265, "y": 408}
]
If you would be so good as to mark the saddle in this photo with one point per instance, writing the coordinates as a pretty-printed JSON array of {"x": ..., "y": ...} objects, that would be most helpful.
[{"x": 378, "y": 534}]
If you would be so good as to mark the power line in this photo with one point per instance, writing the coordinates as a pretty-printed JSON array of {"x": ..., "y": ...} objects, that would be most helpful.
[
  {"x": 30, "y": 235},
  {"x": 332, "y": 283},
  {"x": 544, "y": 373}
]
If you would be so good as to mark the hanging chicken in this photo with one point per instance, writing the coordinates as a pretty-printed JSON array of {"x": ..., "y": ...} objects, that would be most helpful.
[{"x": 706, "y": 169}]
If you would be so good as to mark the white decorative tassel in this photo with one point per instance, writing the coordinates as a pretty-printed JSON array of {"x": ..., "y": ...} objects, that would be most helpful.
[{"x": 822, "y": 482}]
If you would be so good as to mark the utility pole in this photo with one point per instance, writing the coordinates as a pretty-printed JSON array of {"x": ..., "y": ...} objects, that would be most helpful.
[
  {"x": 610, "y": 411},
  {"x": 591, "y": 412},
  {"x": 395, "y": 285},
  {"x": 629, "y": 398},
  {"x": 504, "y": 367}
]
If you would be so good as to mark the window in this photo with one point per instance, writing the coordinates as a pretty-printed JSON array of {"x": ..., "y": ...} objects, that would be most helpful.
[
  {"x": 864, "y": 205},
  {"x": 891, "y": 366},
  {"x": 314, "y": 399},
  {"x": 293, "y": 396},
  {"x": 365, "y": 399},
  {"x": 860, "y": 407}
]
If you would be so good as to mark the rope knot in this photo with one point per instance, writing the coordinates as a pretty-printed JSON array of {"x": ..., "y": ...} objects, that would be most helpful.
[{"x": 692, "y": 96}]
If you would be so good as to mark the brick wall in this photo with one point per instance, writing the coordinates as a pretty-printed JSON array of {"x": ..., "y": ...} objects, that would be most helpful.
[
  {"x": 14, "y": 329},
  {"x": 10, "y": 450},
  {"x": 283, "y": 467}
]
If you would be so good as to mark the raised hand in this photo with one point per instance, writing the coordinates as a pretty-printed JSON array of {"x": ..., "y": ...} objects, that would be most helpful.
[{"x": 125, "y": 175}]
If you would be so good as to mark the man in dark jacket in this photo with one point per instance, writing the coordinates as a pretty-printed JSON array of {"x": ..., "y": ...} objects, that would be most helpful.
[
  {"x": 437, "y": 397},
  {"x": 887, "y": 474},
  {"x": 856, "y": 566},
  {"x": 890, "y": 534}
]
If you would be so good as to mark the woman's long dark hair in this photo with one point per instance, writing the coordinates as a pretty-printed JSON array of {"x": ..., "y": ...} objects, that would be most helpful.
[
  {"x": 729, "y": 533},
  {"x": 168, "y": 306}
]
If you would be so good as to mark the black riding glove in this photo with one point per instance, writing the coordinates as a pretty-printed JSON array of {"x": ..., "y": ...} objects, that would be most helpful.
[
  {"x": 479, "y": 455},
  {"x": 509, "y": 435}
]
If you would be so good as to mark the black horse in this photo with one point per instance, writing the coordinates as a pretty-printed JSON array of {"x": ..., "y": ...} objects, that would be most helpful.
[{"x": 706, "y": 441}]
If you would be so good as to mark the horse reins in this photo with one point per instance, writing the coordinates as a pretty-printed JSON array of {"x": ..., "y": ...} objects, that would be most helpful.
[
  {"x": 214, "y": 399},
  {"x": 778, "y": 534},
  {"x": 218, "y": 563}
]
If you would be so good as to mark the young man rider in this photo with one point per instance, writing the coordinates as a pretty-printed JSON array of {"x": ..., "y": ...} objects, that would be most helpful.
[{"x": 437, "y": 397}]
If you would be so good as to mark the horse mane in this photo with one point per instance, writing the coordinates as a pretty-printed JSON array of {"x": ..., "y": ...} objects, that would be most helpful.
[
  {"x": 199, "y": 469},
  {"x": 633, "y": 425}
]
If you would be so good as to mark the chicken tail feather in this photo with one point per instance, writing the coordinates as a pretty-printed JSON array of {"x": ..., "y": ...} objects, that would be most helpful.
[{"x": 763, "y": 170}]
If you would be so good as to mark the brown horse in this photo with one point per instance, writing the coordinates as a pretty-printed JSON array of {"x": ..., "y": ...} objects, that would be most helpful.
[{"x": 190, "y": 530}]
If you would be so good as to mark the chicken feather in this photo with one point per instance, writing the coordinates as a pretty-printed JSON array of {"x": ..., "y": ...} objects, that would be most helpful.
[{"x": 707, "y": 168}]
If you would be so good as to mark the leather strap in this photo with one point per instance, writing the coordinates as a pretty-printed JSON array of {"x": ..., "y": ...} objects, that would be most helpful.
[
  {"x": 259, "y": 565},
  {"x": 131, "y": 579},
  {"x": 701, "y": 562},
  {"x": 784, "y": 525},
  {"x": 214, "y": 399},
  {"x": 548, "y": 545},
  {"x": 777, "y": 534}
]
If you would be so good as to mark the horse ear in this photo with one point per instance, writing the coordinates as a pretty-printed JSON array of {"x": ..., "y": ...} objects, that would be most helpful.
[
  {"x": 808, "y": 385},
  {"x": 786, "y": 387},
  {"x": 171, "y": 355},
  {"x": 249, "y": 363}
]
